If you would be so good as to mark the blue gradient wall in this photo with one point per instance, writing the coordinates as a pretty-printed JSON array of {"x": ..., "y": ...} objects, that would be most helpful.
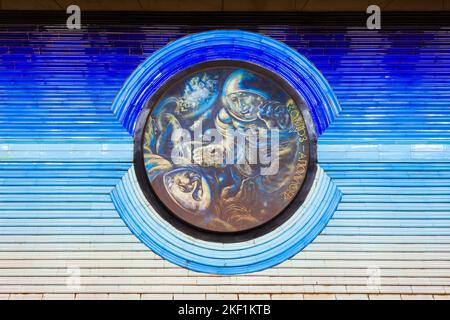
[{"x": 62, "y": 151}]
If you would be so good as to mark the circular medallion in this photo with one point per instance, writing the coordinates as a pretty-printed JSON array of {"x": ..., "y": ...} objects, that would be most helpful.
[
  {"x": 223, "y": 150},
  {"x": 225, "y": 178}
]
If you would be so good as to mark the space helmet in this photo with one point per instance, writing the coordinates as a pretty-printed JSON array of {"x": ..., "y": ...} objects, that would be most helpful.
[
  {"x": 242, "y": 80},
  {"x": 193, "y": 194}
]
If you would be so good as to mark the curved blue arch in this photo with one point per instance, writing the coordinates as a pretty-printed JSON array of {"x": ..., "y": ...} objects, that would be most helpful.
[
  {"x": 230, "y": 258},
  {"x": 273, "y": 55}
]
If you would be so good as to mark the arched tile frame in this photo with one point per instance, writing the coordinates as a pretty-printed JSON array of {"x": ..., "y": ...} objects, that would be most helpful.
[{"x": 213, "y": 257}]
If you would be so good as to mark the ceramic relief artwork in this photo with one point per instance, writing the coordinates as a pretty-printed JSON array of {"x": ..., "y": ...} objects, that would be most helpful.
[{"x": 225, "y": 148}]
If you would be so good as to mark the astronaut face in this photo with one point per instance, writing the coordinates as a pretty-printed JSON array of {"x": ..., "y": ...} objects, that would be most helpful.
[
  {"x": 199, "y": 93},
  {"x": 188, "y": 189},
  {"x": 244, "y": 105}
]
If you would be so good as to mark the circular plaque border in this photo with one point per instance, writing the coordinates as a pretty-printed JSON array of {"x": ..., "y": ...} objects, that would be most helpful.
[{"x": 191, "y": 229}]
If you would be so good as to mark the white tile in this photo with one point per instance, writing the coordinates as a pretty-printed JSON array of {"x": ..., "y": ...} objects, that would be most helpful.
[
  {"x": 321, "y": 296},
  {"x": 25, "y": 296},
  {"x": 384, "y": 297},
  {"x": 59, "y": 296},
  {"x": 193, "y": 296},
  {"x": 352, "y": 296},
  {"x": 287, "y": 296},
  {"x": 254, "y": 297},
  {"x": 157, "y": 296},
  {"x": 124, "y": 296},
  {"x": 91, "y": 296},
  {"x": 417, "y": 297},
  {"x": 221, "y": 296}
]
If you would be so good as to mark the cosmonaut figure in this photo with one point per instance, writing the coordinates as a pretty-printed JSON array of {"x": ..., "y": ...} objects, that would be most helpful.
[
  {"x": 173, "y": 115},
  {"x": 188, "y": 188},
  {"x": 250, "y": 109},
  {"x": 190, "y": 192}
]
